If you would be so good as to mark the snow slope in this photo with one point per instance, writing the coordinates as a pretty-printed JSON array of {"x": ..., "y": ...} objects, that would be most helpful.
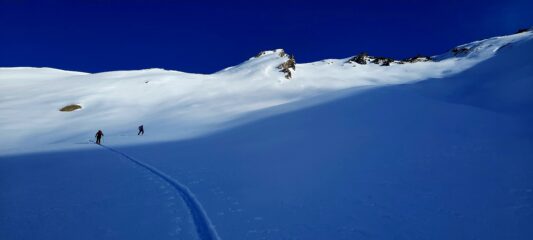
[
  {"x": 336, "y": 152},
  {"x": 430, "y": 160},
  {"x": 175, "y": 105}
]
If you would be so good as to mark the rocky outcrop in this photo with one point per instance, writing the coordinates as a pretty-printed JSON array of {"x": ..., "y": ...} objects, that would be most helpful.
[
  {"x": 460, "y": 51},
  {"x": 70, "y": 108},
  {"x": 282, "y": 53},
  {"x": 363, "y": 58},
  {"x": 383, "y": 61},
  {"x": 360, "y": 58},
  {"x": 417, "y": 58},
  {"x": 286, "y": 66},
  {"x": 260, "y": 54}
]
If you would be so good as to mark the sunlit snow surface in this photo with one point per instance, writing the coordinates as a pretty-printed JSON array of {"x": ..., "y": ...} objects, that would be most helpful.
[
  {"x": 175, "y": 105},
  {"x": 433, "y": 150}
]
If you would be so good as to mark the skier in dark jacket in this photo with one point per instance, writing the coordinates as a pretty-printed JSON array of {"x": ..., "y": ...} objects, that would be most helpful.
[
  {"x": 141, "y": 130},
  {"x": 99, "y": 136}
]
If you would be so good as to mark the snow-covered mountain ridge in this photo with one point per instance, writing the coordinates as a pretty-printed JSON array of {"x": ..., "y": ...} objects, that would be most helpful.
[{"x": 175, "y": 105}]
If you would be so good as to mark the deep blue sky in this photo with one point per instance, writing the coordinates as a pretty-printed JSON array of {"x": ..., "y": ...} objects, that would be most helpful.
[{"x": 204, "y": 37}]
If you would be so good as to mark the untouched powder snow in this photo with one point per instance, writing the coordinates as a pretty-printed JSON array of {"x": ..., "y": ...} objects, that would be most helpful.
[
  {"x": 430, "y": 150},
  {"x": 175, "y": 105}
]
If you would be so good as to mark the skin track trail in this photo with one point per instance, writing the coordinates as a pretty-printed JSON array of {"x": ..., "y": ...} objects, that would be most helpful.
[{"x": 202, "y": 223}]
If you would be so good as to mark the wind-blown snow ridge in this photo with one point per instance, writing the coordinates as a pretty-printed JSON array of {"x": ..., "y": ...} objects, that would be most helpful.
[
  {"x": 204, "y": 227},
  {"x": 174, "y": 105}
]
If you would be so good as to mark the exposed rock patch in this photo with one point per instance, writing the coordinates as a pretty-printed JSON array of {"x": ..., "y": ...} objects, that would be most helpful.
[
  {"x": 360, "y": 58},
  {"x": 383, "y": 61},
  {"x": 282, "y": 53},
  {"x": 70, "y": 108},
  {"x": 260, "y": 54},
  {"x": 363, "y": 58},
  {"x": 286, "y": 66},
  {"x": 460, "y": 51},
  {"x": 417, "y": 58}
]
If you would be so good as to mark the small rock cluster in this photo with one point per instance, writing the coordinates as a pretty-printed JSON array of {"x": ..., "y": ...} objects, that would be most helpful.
[
  {"x": 460, "y": 51},
  {"x": 364, "y": 58},
  {"x": 260, "y": 54},
  {"x": 286, "y": 66},
  {"x": 383, "y": 61},
  {"x": 70, "y": 108},
  {"x": 417, "y": 58},
  {"x": 360, "y": 58}
]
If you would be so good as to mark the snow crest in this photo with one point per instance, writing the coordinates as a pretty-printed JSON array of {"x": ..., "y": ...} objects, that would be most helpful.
[{"x": 175, "y": 105}]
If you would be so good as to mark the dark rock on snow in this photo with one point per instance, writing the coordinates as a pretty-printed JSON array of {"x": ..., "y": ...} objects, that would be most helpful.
[
  {"x": 70, "y": 108},
  {"x": 383, "y": 61},
  {"x": 417, "y": 58},
  {"x": 460, "y": 51},
  {"x": 287, "y": 65},
  {"x": 359, "y": 58}
]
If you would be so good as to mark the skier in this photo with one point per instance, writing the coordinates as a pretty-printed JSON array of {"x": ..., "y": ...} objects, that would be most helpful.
[
  {"x": 98, "y": 136},
  {"x": 141, "y": 130}
]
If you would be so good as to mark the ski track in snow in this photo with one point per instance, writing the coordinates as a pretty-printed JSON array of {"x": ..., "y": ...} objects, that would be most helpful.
[{"x": 204, "y": 228}]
